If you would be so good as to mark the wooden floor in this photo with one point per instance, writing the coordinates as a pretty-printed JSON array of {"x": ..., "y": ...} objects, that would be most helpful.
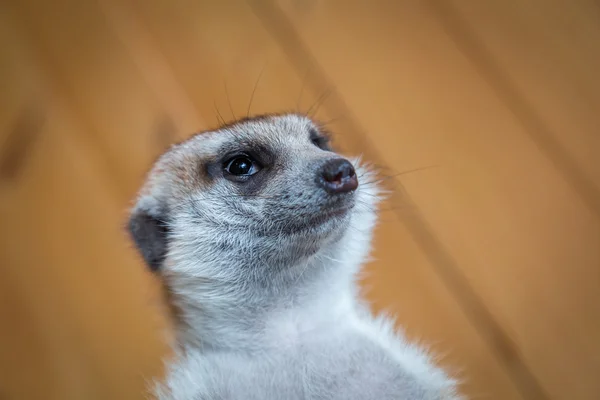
[{"x": 489, "y": 252}]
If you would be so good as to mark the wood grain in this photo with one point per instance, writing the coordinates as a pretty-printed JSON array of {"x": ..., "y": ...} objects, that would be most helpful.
[{"x": 487, "y": 251}]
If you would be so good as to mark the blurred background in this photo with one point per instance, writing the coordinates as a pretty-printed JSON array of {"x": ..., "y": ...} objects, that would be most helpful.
[{"x": 483, "y": 114}]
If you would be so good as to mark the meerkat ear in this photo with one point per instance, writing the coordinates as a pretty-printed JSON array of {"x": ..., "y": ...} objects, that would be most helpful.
[{"x": 149, "y": 231}]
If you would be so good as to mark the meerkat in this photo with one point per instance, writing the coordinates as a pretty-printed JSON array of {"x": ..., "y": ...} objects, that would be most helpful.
[{"x": 258, "y": 230}]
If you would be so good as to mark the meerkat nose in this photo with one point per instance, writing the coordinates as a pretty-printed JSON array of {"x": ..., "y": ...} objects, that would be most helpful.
[{"x": 337, "y": 176}]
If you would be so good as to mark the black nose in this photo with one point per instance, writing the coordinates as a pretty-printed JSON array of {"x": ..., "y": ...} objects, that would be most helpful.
[{"x": 337, "y": 176}]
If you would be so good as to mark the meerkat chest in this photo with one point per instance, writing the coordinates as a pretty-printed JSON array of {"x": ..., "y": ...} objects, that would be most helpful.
[{"x": 347, "y": 366}]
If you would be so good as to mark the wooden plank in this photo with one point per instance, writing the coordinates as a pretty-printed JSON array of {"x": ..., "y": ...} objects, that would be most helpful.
[
  {"x": 78, "y": 309},
  {"x": 548, "y": 52},
  {"x": 205, "y": 51},
  {"x": 93, "y": 330},
  {"x": 496, "y": 203},
  {"x": 130, "y": 108}
]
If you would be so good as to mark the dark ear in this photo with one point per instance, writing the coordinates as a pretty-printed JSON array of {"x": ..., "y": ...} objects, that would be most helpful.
[{"x": 150, "y": 235}]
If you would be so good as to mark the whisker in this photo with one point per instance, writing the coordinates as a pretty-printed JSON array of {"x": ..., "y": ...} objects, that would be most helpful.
[
  {"x": 228, "y": 99},
  {"x": 257, "y": 196},
  {"x": 388, "y": 177},
  {"x": 332, "y": 120},
  {"x": 319, "y": 101},
  {"x": 302, "y": 272},
  {"x": 220, "y": 118},
  {"x": 330, "y": 258},
  {"x": 389, "y": 207},
  {"x": 254, "y": 89},
  {"x": 369, "y": 194},
  {"x": 299, "y": 99},
  {"x": 397, "y": 208}
]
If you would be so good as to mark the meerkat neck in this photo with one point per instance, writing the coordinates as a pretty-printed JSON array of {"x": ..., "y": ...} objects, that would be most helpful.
[{"x": 247, "y": 316}]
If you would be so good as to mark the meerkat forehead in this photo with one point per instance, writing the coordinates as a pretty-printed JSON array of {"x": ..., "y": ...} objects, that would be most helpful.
[
  {"x": 273, "y": 132},
  {"x": 277, "y": 130}
]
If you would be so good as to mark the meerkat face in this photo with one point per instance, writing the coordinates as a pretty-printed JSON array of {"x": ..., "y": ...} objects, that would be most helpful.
[{"x": 268, "y": 190}]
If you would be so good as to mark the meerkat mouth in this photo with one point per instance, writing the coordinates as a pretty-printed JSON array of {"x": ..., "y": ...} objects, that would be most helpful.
[
  {"x": 334, "y": 214},
  {"x": 326, "y": 219}
]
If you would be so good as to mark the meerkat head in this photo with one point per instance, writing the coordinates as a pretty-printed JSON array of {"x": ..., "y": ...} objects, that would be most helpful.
[{"x": 250, "y": 202}]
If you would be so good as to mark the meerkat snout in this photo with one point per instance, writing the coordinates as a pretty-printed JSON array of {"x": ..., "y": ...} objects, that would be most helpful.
[{"x": 337, "y": 176}]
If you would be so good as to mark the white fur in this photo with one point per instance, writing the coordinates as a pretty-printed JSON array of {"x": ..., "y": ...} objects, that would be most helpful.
[{"x": 255, "y": 326}]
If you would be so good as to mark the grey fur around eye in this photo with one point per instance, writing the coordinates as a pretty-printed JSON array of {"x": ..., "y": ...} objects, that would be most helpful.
[{"x": 320, "y": 141}]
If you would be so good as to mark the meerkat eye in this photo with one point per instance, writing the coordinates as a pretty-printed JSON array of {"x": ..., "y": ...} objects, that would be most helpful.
[
  {"x": 241, "y": 165},
  {"x": 320, "y": 141}
]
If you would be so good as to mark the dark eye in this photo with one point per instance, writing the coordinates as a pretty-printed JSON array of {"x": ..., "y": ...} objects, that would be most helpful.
[
  {"x": 321, "y": 142},
  {"x": 241, "y": 166}
]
